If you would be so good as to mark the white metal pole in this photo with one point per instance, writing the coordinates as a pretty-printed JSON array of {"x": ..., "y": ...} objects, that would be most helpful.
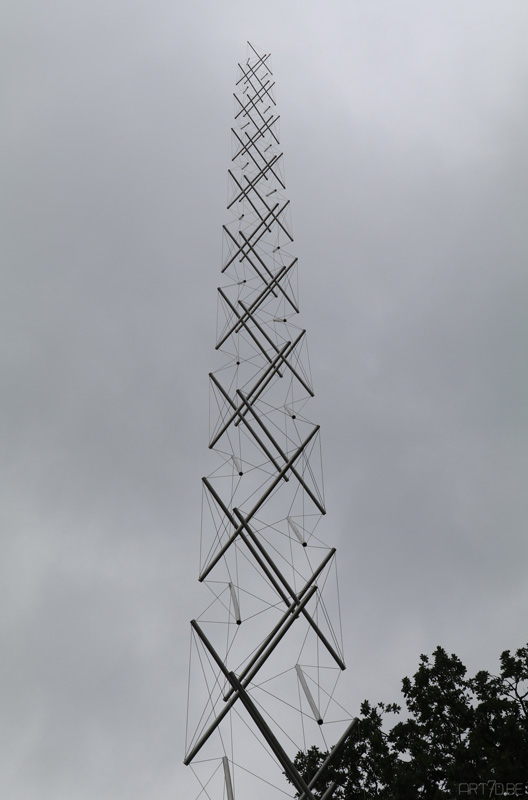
[
  {"x": 311, "y": 701},
  {"x": 227, "y": 775}
]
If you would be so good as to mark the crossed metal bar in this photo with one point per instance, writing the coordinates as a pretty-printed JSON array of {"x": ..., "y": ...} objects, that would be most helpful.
[
  {"x": 268, "y": 565},
  {"x": 257, "y": 178},
  {"x": 238, "y": 691},
  {"x": 253, "y": 69},
  {"x": 255, "y": 136},
  {"x": 246, "y": 404},
  {"x": 269, "y": 288},
  {"x": 275, "y": 279},
  {"x": 261, "y": 384},
  {"x": 264, "y": 651},
  {"x": 260, "y": 502},
  {"x": 243, "y": 321},
  {"x": 248, "y": 241},
  {"x": 258, "y": 93},
  {"x": 286, "y": 231},
  {"x": 257, "y": 97}
]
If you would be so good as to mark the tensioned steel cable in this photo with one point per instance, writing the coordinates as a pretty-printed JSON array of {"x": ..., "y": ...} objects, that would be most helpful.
[{"x": 264, "y": 498}]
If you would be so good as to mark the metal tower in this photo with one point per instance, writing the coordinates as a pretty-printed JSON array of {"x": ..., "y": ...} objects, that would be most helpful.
[{"x": 265, "y": 656}]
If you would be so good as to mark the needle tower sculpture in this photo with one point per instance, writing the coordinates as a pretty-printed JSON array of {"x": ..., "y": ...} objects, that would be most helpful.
[{"x": 265, "y": 655}]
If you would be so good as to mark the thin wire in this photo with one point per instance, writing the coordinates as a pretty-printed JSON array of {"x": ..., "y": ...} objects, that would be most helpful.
[
  {"x": 204, "y": 786},
  {"x": 188, "y": 696},
  {"x": 260, "y": 778}
]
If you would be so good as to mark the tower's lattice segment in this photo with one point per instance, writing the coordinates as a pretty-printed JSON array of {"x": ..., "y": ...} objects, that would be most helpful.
[{"x": 266, "y": 654}]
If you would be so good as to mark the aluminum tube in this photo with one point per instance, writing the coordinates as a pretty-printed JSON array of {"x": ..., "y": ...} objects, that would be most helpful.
[
  {"x": 276, "y": 281},
  {"x": 236, "y": 605},
  {"x": 289, "y": 617},
  {"x": 257, "y": 98},
  {"x": 261, "y": 60},
  {"x": 257, "y": 505},
  {"x": 270, "y": 377},
  {"x": 265, "y": 266},
  {"x": 248, "y": 426},
  {"x": 309, "y": 696},
  {"x": 258, "y": 559},
  {"x": 262, "y": 200},
  {"x": 268, "y": 373},
  {"x": 293, "y": 612},
  {"x": 240, "y": 249},
  {"x": 334, "y": 752},
  {"x": 329, "y": 792},
  {"x": 258, "y": 177},
  {"x": 339, "y": 661},
  {"x": 287, "y": 363},
  {"x": 262, "y": 90},
  {"x": 282, "y": 454},
  {"x": 250, "y": 332},
  {"x": 271, "y": 739},
  {"x": 265, "y": 122},
  {"x": 227, "y": 777},
  {"x": 283, "y": 471},
  {"x": 247, "y": 195},
  {"x": 269, "y": 288}
]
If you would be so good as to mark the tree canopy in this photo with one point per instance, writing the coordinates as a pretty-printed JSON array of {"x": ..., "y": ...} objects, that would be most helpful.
[{"x": 460, "y": 736}]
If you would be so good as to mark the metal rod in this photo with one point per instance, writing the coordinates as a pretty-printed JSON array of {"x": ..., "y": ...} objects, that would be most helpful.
[
  {"x": 282, "y": 454},
  {"x": 332, "y": 755},
  {"x": 248, "y": 426},
  {"x": 244, "y": 323},
  {"x": 250, "y": 152},
  {"x": 283, "y": 471},
  {"x": 253, "y": 182},
  {"x": 264, "y": 653},
  {"x": 227, "y": 776},
  {"x": 246, "y": 195},
  {"x": 276, "y": 279},
  {"x": 309, "y": 696},
  {"x": 280, "y": 630},
  {"x": 271, "y": 376},
  {"x": 257, "y": 505},
  {"x": 259, "y": 134},
  {"x": 271, "y": 739},
  {"x": 256, "y": 179},
  {"x": 331, "y": 553},
  {"x": 268, "y": 374},
  {"x": 240, "y": 249},
  {"x": 261, "y": 91},
  {"x": 254, "y": 553},
  {"x": 236, "y": 606},
  {"x": 269, "y": 287},
  {"x": 239, "y": 532},
  {"x": 264, "y": 265},
  {"x": 262, "y": 200},
  {"x": 339, "y": 661},
  {"x": 257, "y": 97},
  {"x": 287, "y": 363},
  {"x": 296, "y": 531},
  {"x": 244, "y": 110},
  {"x": 329, "y": 792},
  {"x": 262, "y": 61},
  {"x": 288, "y": 619}
]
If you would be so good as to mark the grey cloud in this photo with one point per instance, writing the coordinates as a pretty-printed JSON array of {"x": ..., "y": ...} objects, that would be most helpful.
[{"x": 406, "y": 166}]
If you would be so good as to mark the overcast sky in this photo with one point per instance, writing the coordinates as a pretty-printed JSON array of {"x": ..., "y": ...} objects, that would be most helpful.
[{"x": 404, "y": 127}]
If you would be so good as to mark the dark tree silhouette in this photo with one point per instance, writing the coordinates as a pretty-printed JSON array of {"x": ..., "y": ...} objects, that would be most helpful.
[{"x": 461, "y": 737}]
